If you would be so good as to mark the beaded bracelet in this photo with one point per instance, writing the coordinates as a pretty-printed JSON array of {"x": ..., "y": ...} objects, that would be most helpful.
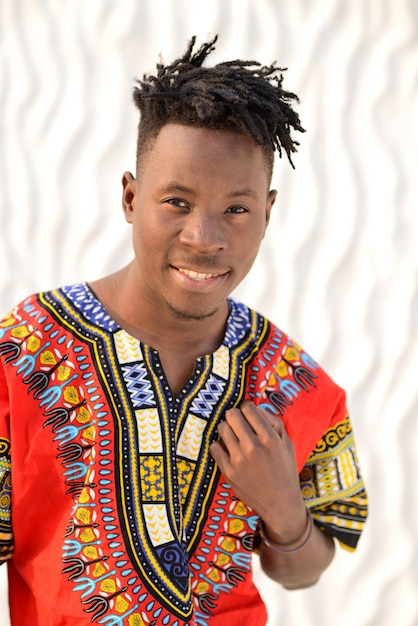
[{"x": 308, "y": 531}]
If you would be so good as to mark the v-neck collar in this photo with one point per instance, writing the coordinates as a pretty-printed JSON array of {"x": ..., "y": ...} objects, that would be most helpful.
[{"x": 162, "y": 470}]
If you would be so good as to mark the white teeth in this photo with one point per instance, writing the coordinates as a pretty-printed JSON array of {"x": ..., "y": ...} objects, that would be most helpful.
[{"x": 196, "y": 275}]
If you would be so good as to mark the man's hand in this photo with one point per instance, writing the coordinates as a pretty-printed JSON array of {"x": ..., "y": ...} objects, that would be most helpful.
[{"x": 256, "y": 456}]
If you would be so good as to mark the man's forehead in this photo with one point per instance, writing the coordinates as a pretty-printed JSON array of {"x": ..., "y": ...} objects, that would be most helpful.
[{"x": 173, "y": 135}]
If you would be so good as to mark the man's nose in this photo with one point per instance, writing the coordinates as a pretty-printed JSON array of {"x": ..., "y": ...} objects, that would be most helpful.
[{"x": 204, "y": 233}]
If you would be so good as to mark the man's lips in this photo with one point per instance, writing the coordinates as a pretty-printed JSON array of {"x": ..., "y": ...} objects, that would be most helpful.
[
  {"x": 194, "y": 275},
  {"x": 197, "y": 275}
]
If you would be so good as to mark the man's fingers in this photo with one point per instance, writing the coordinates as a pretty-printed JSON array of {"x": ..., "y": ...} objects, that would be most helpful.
[
  {"x": 237, "y": 422},
  {"x": 258, "y": 418},
  {"x": 219, "y": 454},
  {"x": 240, "y": 431}
]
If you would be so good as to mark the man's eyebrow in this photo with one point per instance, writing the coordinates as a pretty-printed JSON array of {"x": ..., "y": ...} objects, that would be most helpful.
[
  {"x": 247, "y": 191},
  {"x": 174, "y": 186}
]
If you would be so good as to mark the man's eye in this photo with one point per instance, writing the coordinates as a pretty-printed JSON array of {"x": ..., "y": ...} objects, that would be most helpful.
[
  {"x": 177, "y": 202},
  {"x": 237, "y": 209}
]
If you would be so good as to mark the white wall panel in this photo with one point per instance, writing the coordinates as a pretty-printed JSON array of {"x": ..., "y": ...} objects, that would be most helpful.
[{"x": 338, "y": 269}]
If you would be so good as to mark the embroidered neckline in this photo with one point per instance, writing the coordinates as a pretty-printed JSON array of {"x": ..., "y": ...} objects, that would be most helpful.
[{"x": 162, "y": 466}]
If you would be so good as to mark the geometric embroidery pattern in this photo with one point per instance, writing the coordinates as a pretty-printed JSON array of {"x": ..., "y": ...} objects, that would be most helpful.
[
  {"x": 138, "y": 385},
  {"x": 221, "y": 362},
  {"x": 152, "y": 478},
  {"x": 165, "y": 457},
  {"x": 149, "y": 430},
  {"x": 128, "y": 348},
  {"x": 85, "y": 301},
  {"x": 332, "y": 469},
  {"x": 208, "y": 397},
  {"x": 191, "y": 437},
  {"x": 185, "y": 470},
  {"x": 157, "y": 524},
  {"x": 238, "y": 324},
  {"x": 6, "y": 535}
]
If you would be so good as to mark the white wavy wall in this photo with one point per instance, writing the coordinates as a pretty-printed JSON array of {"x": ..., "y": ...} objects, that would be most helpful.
[{"x": 339, "y": 267}]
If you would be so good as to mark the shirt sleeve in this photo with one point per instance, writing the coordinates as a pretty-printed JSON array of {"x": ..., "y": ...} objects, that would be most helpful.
[
  {"x": 6, "y": 535},
  {"x": 333, "y": 488}
]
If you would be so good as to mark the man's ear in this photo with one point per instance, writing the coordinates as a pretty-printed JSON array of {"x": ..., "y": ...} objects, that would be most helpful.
[
  {"x": 129, "y": 193},
  {"x": 271, "y": 199}
]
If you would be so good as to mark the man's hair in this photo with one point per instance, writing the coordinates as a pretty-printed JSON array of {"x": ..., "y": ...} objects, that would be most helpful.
[{"x": 238, "y": 96}]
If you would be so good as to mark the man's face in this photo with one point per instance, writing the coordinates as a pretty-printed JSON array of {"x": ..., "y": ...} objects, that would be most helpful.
[{"x": 199, "y": 209}]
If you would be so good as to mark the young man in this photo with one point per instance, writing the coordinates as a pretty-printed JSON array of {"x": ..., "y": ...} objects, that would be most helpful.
[{"x": 154, "y": 431}]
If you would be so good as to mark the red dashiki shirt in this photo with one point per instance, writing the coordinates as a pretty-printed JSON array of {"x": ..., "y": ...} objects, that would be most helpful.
[{"x": 112, "y": 510}]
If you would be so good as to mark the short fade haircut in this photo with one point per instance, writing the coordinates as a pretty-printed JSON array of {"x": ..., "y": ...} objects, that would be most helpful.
[{"x": 238, "y": 96}]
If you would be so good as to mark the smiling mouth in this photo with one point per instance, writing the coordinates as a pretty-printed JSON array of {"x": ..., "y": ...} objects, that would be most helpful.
[{"x": 197, "y": 275}]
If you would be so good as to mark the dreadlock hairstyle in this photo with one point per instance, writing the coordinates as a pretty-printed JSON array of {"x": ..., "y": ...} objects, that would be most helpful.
[{"x": 239, "y": 96}]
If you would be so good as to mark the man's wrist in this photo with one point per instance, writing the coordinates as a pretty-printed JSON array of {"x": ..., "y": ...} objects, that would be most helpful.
[{"x": 296, "y": 544}]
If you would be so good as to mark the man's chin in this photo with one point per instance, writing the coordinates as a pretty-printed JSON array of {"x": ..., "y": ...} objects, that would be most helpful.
[{"x": 191, "y": 314}]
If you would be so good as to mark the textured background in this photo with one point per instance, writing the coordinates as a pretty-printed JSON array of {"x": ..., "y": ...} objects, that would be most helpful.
[{"x": 339, "y": 267}]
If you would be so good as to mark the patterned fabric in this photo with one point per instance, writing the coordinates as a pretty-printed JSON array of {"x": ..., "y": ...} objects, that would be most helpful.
[
  {"x": 120, "y": 515},
  {"x": 333, "y": 467},
  {"x": 6, "y": 537}
]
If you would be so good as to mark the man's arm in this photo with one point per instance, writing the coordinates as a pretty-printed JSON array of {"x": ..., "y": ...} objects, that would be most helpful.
[
  {"x": 300, "y": 564},
  {"x": 256, "y": 456}
]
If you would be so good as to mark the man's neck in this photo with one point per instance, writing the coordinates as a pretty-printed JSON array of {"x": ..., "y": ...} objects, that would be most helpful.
[{"x": 161, "y": 329}]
